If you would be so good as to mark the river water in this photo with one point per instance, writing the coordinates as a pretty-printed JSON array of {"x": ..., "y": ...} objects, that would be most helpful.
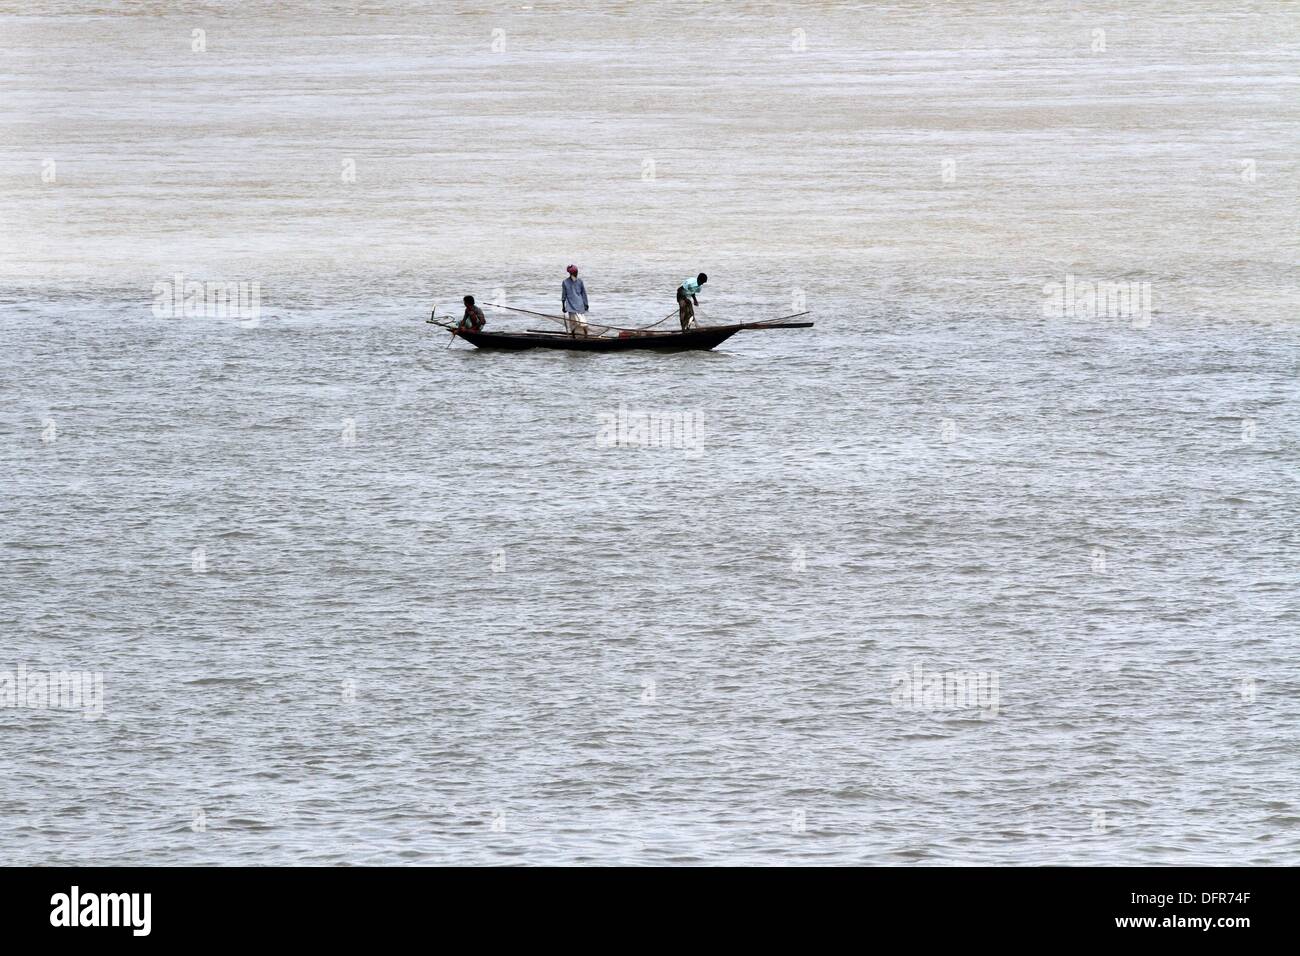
[{"x": 971, "y": 572}]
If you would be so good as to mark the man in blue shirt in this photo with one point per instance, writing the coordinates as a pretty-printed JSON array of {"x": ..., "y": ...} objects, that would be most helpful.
[
  {"x": 573, "y": 302},
  {"x": 686, "y": 293}
]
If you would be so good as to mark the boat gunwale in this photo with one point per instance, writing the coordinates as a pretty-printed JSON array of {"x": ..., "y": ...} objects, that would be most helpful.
[{"x": 701, "y": 338}]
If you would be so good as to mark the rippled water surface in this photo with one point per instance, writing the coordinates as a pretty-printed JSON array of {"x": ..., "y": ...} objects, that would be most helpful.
[{"x": 357, "y": 597}]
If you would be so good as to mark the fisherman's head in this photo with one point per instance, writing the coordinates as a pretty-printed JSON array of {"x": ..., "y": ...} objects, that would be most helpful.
[
  {"x": 701, "y": 278},
  {"x": 469, "y": 300},
  {"x": 572, "y": 270}
]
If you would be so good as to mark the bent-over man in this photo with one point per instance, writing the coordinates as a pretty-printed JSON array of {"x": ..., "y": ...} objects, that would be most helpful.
[{"x": 686, "y": 298}]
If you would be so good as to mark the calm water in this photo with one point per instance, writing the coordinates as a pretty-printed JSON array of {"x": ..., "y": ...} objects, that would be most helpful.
[{"x": 356, "y": 597}]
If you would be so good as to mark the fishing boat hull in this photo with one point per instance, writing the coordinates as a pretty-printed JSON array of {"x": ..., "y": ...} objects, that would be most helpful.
[{"x": 694, "y": 340}]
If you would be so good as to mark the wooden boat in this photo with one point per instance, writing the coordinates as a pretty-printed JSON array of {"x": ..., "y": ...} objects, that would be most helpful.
[{"x": 703, "y": 338}]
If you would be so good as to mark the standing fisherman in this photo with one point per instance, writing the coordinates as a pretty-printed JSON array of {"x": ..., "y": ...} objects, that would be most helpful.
[
  {"x": 686, "y": 293},
  {"x": 573, "y": 302}
]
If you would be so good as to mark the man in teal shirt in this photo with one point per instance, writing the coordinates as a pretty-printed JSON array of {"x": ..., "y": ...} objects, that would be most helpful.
[{"x": 686, "y": 293}]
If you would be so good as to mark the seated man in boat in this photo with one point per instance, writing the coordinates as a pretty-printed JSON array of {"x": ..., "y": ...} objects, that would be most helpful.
[
  {"x": 573, "y": 302},
  {"x": 686, "y": 293},
  {"x": 474, "y": 320}
]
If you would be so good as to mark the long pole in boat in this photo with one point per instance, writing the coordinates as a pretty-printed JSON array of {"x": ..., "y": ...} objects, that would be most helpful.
[
  {"x": 560, "y": 318},
  {"x": 511, "y": 308}
]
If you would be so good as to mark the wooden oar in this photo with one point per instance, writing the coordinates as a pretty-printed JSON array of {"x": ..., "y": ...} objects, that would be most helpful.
[{"x": 781, "y": 323}]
